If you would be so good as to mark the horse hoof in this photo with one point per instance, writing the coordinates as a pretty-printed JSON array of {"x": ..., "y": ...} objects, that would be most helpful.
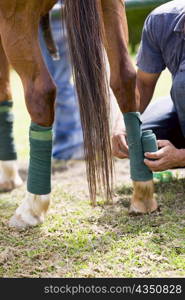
[
  {"x": 8, "y": 186},
  {"x": 143, "y": 199},
  {"x": 31, "y": 212},
  {"x": 21, "y": 223},
  {"x": 138, "y": 209},
  {"x": 17, "y": 222},
  {"x": 9, "y": 176}
]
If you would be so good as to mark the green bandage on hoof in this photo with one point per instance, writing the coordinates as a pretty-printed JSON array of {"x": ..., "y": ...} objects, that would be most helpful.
[
  {"x": 39, "y": 174},
  {"x": 139, "y": 171},
  {"x": 7, "y": 147}
]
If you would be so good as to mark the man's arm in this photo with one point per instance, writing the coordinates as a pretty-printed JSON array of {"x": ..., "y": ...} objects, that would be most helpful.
[
  {"x": 167, "y": 156},
  {"x": 146, "y": 83}
]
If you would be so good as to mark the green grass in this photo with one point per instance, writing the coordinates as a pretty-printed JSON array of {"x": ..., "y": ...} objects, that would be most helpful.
[{"x": 77, "y": 240}]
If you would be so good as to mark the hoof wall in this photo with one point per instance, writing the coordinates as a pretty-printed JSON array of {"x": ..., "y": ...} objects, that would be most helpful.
[
  {"x": 17, "y": 222},
  {"x": 134, "y": 211},
  {"x": 9, "y": 186}
]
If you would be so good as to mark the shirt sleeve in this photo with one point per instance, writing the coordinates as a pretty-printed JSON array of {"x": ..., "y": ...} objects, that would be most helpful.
[{"x": 149, "y": 57}]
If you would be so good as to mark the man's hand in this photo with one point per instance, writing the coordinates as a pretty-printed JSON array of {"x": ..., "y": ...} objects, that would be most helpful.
[
  {"x": 167, "y": 157},
  {"x": 119, "y": 145},
  {"x": 118, "y": 132}
]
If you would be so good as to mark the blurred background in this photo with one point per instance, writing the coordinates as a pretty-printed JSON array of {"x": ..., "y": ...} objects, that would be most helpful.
[{"x": 137, "y": 11}]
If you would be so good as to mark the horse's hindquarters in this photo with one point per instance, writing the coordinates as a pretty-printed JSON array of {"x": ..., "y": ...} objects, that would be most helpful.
[{"x": 9, "y": 8}]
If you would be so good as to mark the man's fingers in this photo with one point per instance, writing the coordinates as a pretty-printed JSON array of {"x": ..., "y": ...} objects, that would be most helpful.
[
  {"x": 122, "y": 142},
  {"x": 154, "y": 155},
  {"x": 119, "y": 146},
  {"x": 122, "y": 155},
  {"x": 154, "y": 165},
  {"x": 119, "y": 154},
  {"x": 163, "y": 143},
  {"x": 149, "y": 163}
]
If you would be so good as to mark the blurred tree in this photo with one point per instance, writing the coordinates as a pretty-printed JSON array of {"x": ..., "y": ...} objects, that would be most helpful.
[{"x": 137, "y": 11}]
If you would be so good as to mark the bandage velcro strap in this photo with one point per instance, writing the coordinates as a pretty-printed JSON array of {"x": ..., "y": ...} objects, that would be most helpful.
[{"x": 41, "y": 135}]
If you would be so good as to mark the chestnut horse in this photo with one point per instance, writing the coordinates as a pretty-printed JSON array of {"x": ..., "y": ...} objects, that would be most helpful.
[{"x": 91, "y": 24}]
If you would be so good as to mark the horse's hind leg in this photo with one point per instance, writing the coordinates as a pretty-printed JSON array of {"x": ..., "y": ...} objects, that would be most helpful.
[
  {"x": 22, "y": 49},
  {"x": 9, "y": 176},
  {"x": 123, "y": 83}
]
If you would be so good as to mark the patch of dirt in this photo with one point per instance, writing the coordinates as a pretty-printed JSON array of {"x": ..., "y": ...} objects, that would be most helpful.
[{"x": 73, "y": 175}]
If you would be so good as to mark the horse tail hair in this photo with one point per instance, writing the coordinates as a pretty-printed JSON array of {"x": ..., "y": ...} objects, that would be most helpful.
[{"x": 86, "y": 35}]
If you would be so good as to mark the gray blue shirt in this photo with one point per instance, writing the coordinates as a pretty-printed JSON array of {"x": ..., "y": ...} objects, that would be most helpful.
[{"x": 163, "y": 39}]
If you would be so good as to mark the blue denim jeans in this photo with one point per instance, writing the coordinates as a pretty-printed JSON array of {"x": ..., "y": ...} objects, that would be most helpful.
[
  {"x": 68, "y": 138},
  {"x": 162, "y": 117}
]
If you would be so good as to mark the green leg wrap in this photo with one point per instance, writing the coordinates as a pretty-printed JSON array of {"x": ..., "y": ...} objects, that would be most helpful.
[
  {"x": 7, "y": 147},
  {"x": 149, "y": 141},
  {"x": 39, "y": 173},
  {"x": 138, "y": 142}
]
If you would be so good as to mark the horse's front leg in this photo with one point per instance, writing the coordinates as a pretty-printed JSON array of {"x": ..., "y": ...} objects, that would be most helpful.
[
  {"x": 9, "y": 176},
  {"x": 123, "y": 83},
  {"x": 20, "y": 41}
]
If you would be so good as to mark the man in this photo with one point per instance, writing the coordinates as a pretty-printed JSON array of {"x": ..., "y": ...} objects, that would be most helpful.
[{"x": 162, "y": 45}]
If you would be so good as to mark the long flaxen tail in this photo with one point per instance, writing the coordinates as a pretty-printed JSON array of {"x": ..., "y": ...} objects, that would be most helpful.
[{"x": 85, "y": 33}]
